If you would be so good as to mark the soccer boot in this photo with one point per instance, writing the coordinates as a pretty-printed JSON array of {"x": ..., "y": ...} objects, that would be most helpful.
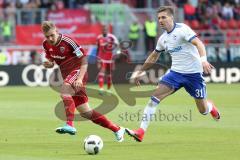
[
  {"x": 66, "y": 129},
  {"x": 120, "y": 134},
  {"x": 136, "y": 134},
  {"x": 215, "y": 113}
]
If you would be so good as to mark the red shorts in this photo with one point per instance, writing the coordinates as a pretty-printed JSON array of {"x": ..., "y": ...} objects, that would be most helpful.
[
  {"x": 81, "y": 96},
  {"x": 107, "y": 66}
]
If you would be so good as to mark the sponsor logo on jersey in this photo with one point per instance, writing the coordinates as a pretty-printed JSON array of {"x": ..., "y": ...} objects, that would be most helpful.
[
  {"x": 175, "y": 49},
  {"x": 62, "y": 49},
  {"x": 58, "y": 57}
]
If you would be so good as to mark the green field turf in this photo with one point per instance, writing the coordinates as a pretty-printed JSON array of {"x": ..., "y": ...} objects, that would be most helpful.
[{"x": 27, "y": 123}]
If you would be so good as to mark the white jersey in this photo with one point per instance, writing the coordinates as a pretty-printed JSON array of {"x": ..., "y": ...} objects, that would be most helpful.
[{"x": 185, "y": 56}]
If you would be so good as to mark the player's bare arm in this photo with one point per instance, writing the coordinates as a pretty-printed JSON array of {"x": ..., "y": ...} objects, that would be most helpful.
[
  {"x": 152, "y": 59},
  {"x": 207, "y": 67},
  {"x": 48, "y": 64},
  {"x": 83, "y": 69}
]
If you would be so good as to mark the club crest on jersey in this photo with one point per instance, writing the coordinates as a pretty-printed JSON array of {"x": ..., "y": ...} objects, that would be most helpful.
[
  {"x": 174, "y": 37},
  {"x": 62, "y": 49}
]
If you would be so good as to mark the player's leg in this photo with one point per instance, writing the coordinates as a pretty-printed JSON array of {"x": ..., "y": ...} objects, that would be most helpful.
[
  {"x": 97, "y": 118},
  {"x": 167, "y": 86},
  {"x": 101, "y": 76},
  {"x": 109, "y": 77},
  {"x": 206, "y": 106},
  {"x": 66, "y": 94},
  {"x": 160, "y": 93},
  {"x": 196, "y": 87}
]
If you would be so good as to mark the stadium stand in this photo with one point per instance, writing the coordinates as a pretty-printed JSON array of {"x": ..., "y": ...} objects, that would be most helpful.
[{"x": 216, "y": 22}]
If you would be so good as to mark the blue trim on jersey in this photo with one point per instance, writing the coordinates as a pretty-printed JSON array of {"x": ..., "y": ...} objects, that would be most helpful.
[
  {"x": 192, "y": 38},
  {"x": 154, "y": 99},
  {"x": 173, "y": 28}
]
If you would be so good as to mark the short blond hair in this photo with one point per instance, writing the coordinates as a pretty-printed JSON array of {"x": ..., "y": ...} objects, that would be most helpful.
[
  {"x": 168, "y": 9},
  {"x": 47, "y": 25}
]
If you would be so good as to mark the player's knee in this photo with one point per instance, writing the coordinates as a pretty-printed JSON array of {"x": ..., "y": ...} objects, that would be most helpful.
[
  {"x": 65, "y": 96},
  {"x": 67, "y": 90},
  {"x": 163, "y": 91},
  {"x": 102, "y": 70},
  {"x": 87, "y": 115}
]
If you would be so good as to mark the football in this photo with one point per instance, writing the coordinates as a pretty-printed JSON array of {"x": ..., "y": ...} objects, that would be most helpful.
[{"x": 93, "y": 144}]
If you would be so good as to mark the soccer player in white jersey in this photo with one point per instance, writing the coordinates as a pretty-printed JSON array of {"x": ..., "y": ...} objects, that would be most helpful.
[{"x": 189, "y": 61}]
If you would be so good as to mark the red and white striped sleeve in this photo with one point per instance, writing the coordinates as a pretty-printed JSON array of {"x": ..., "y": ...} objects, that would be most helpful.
[{"x": 77, "y": 49}]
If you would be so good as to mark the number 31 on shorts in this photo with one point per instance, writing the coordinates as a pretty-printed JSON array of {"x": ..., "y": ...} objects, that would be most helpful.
[{"x": 199, "y": 93}]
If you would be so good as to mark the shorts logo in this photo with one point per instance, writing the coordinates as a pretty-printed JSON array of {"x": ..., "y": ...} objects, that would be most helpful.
[{"x": 62, "y": 49}]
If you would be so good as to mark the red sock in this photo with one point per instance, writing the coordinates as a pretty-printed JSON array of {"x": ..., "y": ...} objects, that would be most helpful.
[
  {"x": 69, "y": 109},
  {"x": 101, "y": 80},
  {"x": 101, "y": 120},
  {"x": 109, "y": 81}
]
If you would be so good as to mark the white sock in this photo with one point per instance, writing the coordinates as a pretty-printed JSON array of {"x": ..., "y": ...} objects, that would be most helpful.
[
  {"x": 149, "y": 111},
  {"x": 210, "y": 106}
]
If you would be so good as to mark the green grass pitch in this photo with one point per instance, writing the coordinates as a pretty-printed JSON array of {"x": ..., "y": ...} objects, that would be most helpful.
[{"x": 27, "y": 123}]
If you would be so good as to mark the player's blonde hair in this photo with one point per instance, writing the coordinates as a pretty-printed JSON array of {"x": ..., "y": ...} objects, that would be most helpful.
[
  {"x": 168, "y": 9},
  {"x": 47, "y": 25}
]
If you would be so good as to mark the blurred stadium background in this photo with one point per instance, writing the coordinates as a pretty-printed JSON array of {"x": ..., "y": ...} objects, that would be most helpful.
[
  {"x": 27, "y": 118},
  {"x": 217, "y": 23}
]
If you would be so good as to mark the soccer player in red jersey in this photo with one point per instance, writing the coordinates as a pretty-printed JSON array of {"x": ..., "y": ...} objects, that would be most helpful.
[
  {"x": 72, "y": 61},
  {"x": 106, "y": 45}
]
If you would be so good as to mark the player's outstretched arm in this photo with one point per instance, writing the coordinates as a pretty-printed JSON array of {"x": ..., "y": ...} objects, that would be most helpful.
[
  {"x": 150, "y": 61},
  {"x": 207, "y": 67}
]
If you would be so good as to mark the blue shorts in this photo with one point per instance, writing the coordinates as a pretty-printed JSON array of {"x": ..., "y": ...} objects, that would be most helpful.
[{"x": 193, "y": 83}]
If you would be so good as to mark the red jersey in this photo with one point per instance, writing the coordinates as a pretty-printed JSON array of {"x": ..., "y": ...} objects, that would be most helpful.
[
  {"x": 106, "y": 46},
  {"x": 67, "y": 54}
]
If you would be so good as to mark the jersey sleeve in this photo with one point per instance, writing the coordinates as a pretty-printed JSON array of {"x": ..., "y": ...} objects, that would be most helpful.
[
  {"x": 159, "y": 47},
  {"x": 77, "y": 49},
  {"x": 79, "y": 52},
  {"x": 188, "y": 33}
]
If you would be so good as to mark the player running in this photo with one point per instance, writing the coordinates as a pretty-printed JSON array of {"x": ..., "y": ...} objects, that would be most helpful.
[
  {"x": 189, "y": 61},
  {"x": 72, "y": 61},
  {"x": 106, "y": 44}
]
